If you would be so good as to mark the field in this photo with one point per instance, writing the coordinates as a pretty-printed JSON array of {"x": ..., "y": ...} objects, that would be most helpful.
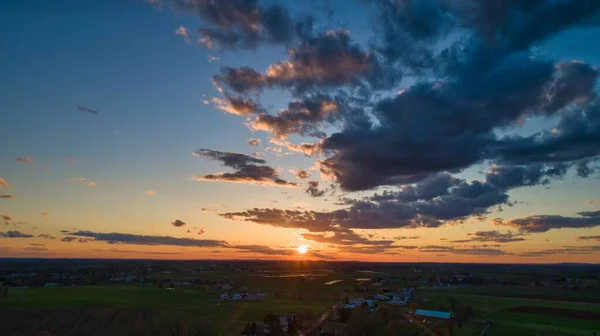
[
  {"x": 135, "y": 310},
  {"x": 139, "y": 309},
  {"x": 524, "y": 311}
]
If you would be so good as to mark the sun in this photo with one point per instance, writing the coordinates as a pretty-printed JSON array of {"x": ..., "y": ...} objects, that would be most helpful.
[{"x": 302, "y": 249}]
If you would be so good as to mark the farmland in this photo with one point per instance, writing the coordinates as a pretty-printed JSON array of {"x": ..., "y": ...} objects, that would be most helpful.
[{"x": 161, "y": 296}]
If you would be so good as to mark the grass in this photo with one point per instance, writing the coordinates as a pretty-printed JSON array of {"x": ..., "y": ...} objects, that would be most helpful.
[
  {"x": 187, "y": 306},
  {"x": 546, "y": 323}
]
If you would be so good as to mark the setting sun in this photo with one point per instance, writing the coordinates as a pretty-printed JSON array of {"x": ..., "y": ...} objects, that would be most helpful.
[{"x": 302, "y": 249}]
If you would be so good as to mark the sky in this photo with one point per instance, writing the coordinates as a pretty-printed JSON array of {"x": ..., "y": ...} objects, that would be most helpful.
[{"x": 375, "y": 130}]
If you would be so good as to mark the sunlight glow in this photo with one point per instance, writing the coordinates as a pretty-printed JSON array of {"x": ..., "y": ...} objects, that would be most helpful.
[{"x": 302, "y": 249}]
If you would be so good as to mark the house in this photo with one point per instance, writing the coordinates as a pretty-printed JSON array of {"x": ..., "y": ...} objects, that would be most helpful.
[{"x": 434, "y": 314}]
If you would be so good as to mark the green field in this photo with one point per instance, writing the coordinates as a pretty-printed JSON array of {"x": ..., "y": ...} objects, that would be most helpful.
[
  {"x": 161, "y": 308},
  {"x": 492, "y": 306}
]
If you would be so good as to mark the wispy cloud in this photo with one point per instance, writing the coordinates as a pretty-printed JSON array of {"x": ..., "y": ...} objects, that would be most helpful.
[
  {"x": 86, "y": 109},
  {"x": 211, "y": 58},
  {"x": 84, "y": 180},
  {"x": 46, "y": 236},
  {"x": 595, "y": 238},
  {"x": 6, "y": 196},
  {"x": 150, "y": 192},
  {"x": 133, "y": 239},
  {"x": 491, "y": 236},
  {"x": 26, "y": 160}
]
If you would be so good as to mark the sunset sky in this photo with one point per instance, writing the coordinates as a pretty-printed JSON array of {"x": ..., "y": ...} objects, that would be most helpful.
[{"x": 376, "y": 130}]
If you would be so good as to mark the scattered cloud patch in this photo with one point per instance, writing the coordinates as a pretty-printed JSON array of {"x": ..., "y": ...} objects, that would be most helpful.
[
  {"x": 301, "y": 174},
  {"x": 88, "y": 182},
  {"x": 26, "y": 160},
  {"x": 594, "y": 238},
  {"x": 183, "y": 32},
  {"x": 6, "y": 196},
  {"x": 253, "y": 142},
  {"x": 150, "y": 192},
  {"x": 543, "y": 223},
  {"x": 46, "y": 236},
  {"x": 178, "y": 223}
]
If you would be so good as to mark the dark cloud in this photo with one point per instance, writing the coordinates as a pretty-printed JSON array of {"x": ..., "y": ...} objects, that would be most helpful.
[
  {"x": 69, "y": 239},
  {"x": 6, "y": 196},
  {"x": 85, "y": 109},
  {"x": 596, "y": 238},
  {"x": 15, "y": 234},
  {"x": 491, "y": 236},
  {"x": 406, "y": 237},
  {"x": 46, "y": 236},
  {"x": 326, "y": 61},
  {"x": 312, "y": 189},
  {"x": 253, "y": 142},
  {"x": 247, "y": 169},
  {"x": 178, "y": 223},
  {"x": 243, "y": 24},
  {"x": 544, "y": 223},
  {"x": 127, "y": 238},
  {"x": 344, "y": 237},
  {"x": 302, "y": 117}
]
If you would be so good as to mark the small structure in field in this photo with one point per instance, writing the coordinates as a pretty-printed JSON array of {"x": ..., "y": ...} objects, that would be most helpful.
[{"x": 434, "y": 314}]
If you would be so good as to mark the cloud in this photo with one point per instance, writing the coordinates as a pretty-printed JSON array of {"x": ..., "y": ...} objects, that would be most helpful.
[
  {"x": 35, "y": 249},
  {"x": 85, "y": 109},
  {"x": 15, "y": 234},
  {"x": 178, "y": 223},
  {"x": 313, "y": 190},
  {"x": 260, "y": 249},
  {"x": 208, "y": 210},
  {"x": 235, "y": 105},
  {"x": 71, "y": 160},
  {"x": 3, "y": 183},
  {"x": 248, "y": 169},
  {"x": 467, "y": 251},
  {"x": 45, "y": 213},
  {"x": 133, "y": 239},
  {"x": 328, "y": 60},
  {"x": 6, "y": 196},
  {"x": 46, "y": 236},
  {"x": 150, "y": 192},
  {"x": 491, "y": 236},
  {"x": 564, "y": 250},
  {"x": 596, "y": 238},
  {"x": 344, "y": 237},
  {"x": 592, "y": 202},
  {"x": 211, "y": 59},
  {"x": 26, "y": 160},
  {"x": 300, "y": 173},
  {"x": 543, "y": 223},
  {"x": 406, "y": 237},
  {"x": 182, "y": 31},
  {"x": 69, "y": 239},
  {"x": 243, "y": 24},
  {"x": 253, "y": 142},
  {"x": 84, "y": 180}
]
